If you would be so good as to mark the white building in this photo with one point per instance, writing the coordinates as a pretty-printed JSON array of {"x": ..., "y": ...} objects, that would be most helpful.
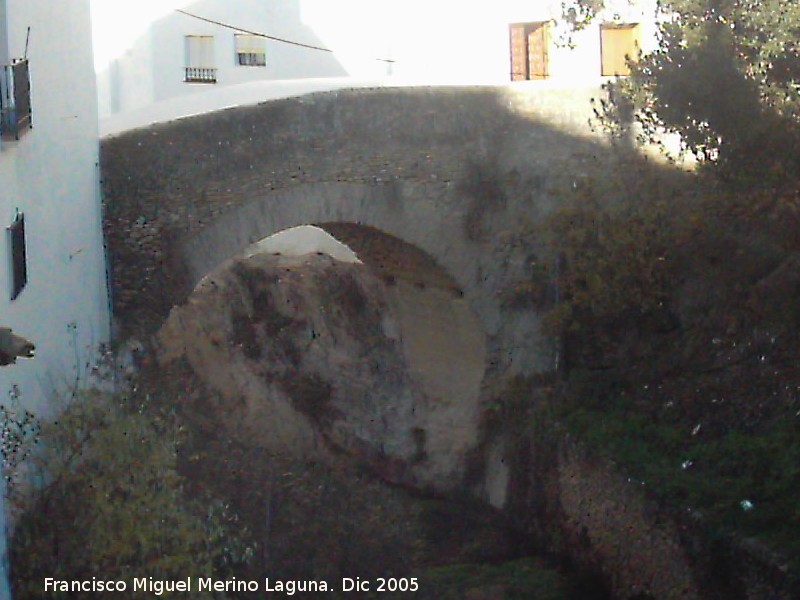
[
  {"x": 194, "y": 46},
  {"x": 180, "y": 54},
  {"x": 52, "y": 264},
  {"x": 511, "y": 40}
]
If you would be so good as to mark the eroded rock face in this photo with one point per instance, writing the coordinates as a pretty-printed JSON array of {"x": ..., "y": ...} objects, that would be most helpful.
[{"x": 312, "y": 355}]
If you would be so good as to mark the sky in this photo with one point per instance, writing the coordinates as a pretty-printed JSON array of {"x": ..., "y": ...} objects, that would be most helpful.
[{"x": 116, "y": 24}]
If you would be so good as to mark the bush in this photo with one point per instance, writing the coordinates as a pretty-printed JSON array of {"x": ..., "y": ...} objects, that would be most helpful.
[
  {"x": 678, "y": 318},
  {"x": 523, "y": 578},
  {"x": 106, "y": 501},
  {"x": 615, "y": 261},
  {"x": 739, "y": 481}
]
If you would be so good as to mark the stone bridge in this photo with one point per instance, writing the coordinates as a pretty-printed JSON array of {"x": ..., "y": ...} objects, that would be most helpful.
[
  {"x": 456, "y": 175},
  {"x": 449, "y": 182}
]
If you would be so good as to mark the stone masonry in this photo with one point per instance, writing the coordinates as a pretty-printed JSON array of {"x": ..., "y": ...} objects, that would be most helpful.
[{"x": 453, "y": 171}]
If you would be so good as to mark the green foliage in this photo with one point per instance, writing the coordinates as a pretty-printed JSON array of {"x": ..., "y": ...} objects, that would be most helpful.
[
  {"x": 724, "y": 76},
  {"x": 107, "y": 501},
  {"x": 678, "y": 314},
  {"x": 652, "y": 254},
  {"x": 614, "y": 261},
  {"x": 509, "y": 409},
  {"x": 739, "y": 481},
  {"x": 526, "y": 578},
  {"x": 19, "y": 433},
  {"x": 579, "y": 14},
  {"x": 534, "y": 292}
]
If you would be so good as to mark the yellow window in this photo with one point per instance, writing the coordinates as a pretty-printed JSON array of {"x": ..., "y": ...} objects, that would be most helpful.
[{"x": 618, "y": 43}]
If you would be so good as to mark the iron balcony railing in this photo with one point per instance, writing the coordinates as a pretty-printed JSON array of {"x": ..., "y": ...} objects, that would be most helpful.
[
  {"x": 200, "y": 75},
  {"x": 15, "y": 99}
]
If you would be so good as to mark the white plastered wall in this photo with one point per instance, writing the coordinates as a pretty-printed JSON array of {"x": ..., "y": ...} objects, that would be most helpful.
[{"x": 51, "y": 175}]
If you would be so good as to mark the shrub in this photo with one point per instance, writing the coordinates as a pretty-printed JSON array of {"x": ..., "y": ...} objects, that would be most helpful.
[
  {"x": 614, "y": 261},
  {"x": 106, "y": 500},
  {"x": 523, "y": 578}
]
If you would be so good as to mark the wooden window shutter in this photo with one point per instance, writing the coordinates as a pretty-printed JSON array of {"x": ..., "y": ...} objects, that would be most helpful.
[
  {"x": 519, "y": 51},
  {"x": 529, "y": 50},
  {"x": 617, "y": 44},
  {"x": 538, "y": 34}
]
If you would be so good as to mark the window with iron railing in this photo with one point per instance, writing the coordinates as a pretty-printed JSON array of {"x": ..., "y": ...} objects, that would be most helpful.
[
  {"x": 200, "y": 59},
  {"x": 15, "y": 99}
]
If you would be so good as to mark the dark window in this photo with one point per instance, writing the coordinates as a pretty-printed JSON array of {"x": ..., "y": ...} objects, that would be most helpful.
[
  {"x": 250, "y": 50},
  {"x": 19, "y": 267},
  {"x": 200, "y": 59},
  {"x": 15, "y": 99}
]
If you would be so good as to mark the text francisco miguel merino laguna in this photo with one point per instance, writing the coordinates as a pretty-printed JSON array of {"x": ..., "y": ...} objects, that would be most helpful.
[{"x": 207, "y": 584}]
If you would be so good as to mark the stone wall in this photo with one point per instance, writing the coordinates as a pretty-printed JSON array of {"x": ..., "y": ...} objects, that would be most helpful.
[
  {"x": 576, "y": 504},
  {"x": 454, "y": 171}
]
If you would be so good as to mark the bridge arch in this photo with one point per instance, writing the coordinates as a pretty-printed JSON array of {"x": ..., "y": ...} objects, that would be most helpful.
[
  {"x": 393, "y": 337},
  {"x": 449, "y": 171},
  {"x": 332, "y": 206},
  {"x": 464, "y": 175},
  {"x": 355, "y": 214}
]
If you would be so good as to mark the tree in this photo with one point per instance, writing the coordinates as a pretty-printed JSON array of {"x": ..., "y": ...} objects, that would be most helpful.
[{"x": 725, "y": 76}]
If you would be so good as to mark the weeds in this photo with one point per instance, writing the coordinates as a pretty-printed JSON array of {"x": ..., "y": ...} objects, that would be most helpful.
[{"x": 105, "y": 498}]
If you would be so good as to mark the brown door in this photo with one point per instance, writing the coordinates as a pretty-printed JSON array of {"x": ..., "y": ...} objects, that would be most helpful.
[
  {"x": 537, "y": 51},
  {"x": 519, "y": 52},
  {"x": 528, "y": 51}
]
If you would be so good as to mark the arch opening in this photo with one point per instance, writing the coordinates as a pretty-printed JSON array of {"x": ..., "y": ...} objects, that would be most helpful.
[{"x": 341, "y": 332}]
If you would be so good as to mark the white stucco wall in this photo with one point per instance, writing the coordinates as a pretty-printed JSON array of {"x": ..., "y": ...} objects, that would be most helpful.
[
  {"x": 431, "y": 41},
  {"x": 469, "y": 43},
  {"x": 152, "y": 69},
  {"x": 51, "y": 175}
]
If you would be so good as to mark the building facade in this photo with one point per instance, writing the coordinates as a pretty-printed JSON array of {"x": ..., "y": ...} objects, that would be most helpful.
[
  {"x": 216, "y": 43},
  {"x": 213, "y": 43},
  {"x": 515, "y": 40},
  {"x": 53, "y": 288}
]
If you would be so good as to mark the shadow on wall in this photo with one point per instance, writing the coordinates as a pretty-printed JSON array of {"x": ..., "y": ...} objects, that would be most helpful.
[
  {"x": 156, "y": 66},
  {"x": 460, "y": 173}
]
